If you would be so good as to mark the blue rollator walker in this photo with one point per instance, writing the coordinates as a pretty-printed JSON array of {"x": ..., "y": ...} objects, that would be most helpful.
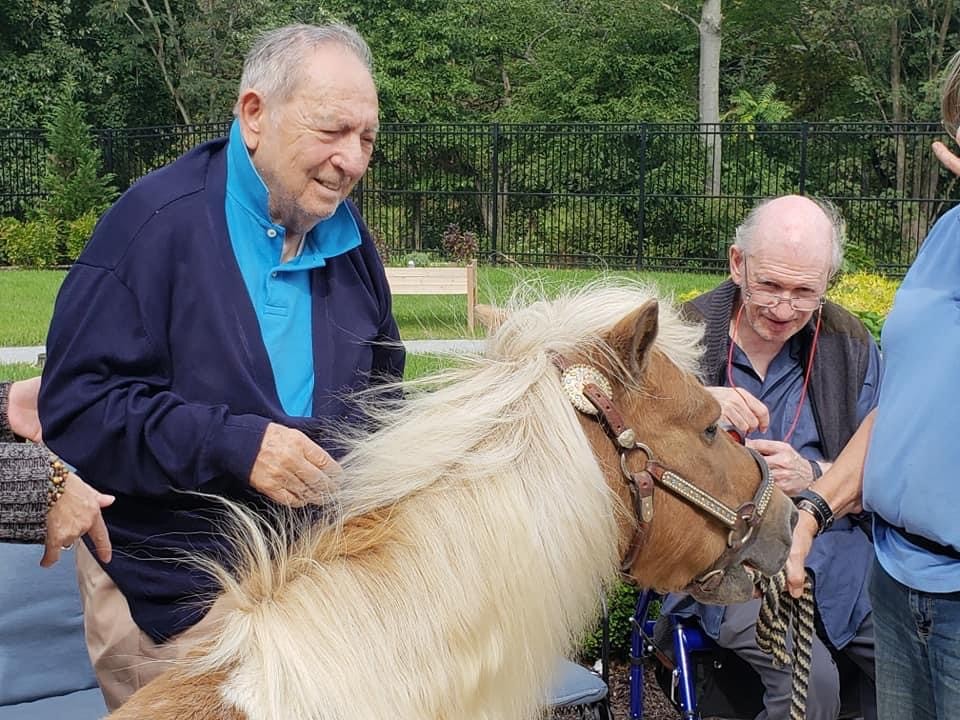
[{"x": 699, "y": 677}]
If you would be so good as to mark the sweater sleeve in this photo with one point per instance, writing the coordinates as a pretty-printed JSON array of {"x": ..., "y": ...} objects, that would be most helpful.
[
  {"x": 106, "y": 403},
  {"x": 24, "y": 471}
]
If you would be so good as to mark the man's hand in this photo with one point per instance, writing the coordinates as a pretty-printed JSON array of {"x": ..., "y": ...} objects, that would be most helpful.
[
  {"x": 291, "y": 469},
  {"x": 741, "y": 409},
  {"x": 803, "y": 535},
  {"x": 22, "y": 409},
  {"x": 788, "y": 468},
  {"x": 77, "y": 513}
]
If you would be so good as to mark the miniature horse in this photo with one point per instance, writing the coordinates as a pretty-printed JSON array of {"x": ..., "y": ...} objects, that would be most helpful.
[{"x": 477, "y": 525}]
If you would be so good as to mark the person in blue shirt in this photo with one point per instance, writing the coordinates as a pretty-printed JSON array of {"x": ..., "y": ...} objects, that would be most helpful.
[
  {"x": 902, "y": 466},
  {"x": 795, "y": 374},
  {"x": 212, "y": 334}
]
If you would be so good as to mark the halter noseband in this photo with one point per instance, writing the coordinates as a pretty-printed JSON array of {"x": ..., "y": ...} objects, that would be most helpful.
[{"x": 589, "y": 392}]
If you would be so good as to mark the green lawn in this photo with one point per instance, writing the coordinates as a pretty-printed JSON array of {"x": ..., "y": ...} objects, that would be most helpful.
[{"x": 27, "y": 296}]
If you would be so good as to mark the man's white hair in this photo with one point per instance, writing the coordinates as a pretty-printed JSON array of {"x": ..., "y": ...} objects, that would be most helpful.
[{"x": 273, "y": 67}]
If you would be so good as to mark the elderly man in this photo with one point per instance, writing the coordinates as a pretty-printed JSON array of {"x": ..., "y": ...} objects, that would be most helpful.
[
  {"x": 796, "y": 374},
  {"x": 212, "y": 333}
]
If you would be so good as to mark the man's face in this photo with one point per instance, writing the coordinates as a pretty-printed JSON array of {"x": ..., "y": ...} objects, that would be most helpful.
[
  {"x": 313, "y": 148},
  {"x": 781, "y": 266}
]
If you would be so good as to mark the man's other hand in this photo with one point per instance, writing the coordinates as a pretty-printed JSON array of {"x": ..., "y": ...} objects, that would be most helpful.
[
  {"x": 291, "y": 469},
  {"x": 788, "y": 468},
  {"x": 741, "y": 409}
]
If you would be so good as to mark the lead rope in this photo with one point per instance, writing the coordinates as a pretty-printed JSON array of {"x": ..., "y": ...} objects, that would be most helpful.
[{"x": 778, "y": 610}]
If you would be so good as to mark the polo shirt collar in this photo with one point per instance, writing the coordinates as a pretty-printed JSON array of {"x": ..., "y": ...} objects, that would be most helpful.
[{"x": 336, "y": 235}]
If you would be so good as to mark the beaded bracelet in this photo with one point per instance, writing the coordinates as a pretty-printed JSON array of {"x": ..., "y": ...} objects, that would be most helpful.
[{"x": 57, "y": 481}]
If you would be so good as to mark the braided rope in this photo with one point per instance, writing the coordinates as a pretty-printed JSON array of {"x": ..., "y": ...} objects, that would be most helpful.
[{"x": 778, "y": 610}]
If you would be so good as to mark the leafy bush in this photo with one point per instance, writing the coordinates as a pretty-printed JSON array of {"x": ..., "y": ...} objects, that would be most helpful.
[
  {"x": 8, "y": 226},
  {"x": 32, "y": 244},
  {"x": 621, "y": 603},
  {"x": 418, "y": 259},
  {"x": 72, "y": 175},
  {"x": 78, "y": 233},
  {"x": 459, "y": 245},
  {"x": 867, "y": 296}
]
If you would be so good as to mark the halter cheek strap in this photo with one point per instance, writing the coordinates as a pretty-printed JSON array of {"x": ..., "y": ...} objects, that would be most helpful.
[{"x": 586, "y": 383}]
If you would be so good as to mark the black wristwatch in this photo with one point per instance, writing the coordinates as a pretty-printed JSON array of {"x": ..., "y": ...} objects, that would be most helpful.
[{"x": 813, "y": 503}]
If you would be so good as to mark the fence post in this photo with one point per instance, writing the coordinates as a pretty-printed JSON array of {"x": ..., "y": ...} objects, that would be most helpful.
[
  {"x": 641, "y": 191},
  {"x": 494, "y": 190},
  {"x": 803, "y": 157}
]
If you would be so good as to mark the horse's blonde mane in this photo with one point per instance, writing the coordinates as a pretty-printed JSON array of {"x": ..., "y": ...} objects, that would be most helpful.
[{"x": 475, "y": 531}]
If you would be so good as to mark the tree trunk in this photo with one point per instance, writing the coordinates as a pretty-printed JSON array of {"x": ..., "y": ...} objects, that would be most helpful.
[{"x": 710, "y": 40}]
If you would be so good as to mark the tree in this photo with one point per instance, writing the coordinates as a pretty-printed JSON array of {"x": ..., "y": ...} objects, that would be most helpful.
[{"x": 72, "y": 178}]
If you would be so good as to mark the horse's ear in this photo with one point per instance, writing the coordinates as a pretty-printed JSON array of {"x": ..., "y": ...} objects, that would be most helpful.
[
  {"x": 633, "y": 336},
  {"x": 489, "y": 316}
]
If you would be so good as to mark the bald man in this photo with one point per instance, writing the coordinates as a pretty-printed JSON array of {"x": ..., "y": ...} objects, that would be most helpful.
[{"x": 795, "y": 374}]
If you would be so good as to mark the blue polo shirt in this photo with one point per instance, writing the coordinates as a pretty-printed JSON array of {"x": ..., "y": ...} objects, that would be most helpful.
[
  {"x": 910, "y": 477},
  {"x": 280, "y": 292}
]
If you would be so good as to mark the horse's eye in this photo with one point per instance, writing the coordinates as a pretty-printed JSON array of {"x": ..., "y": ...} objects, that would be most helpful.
[{"x": 710, "y": 434}]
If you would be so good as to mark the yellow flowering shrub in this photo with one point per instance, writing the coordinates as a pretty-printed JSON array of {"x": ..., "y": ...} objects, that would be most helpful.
[
  {"x": 864, "y": 292},
  {"x": 867, "y": 296}
]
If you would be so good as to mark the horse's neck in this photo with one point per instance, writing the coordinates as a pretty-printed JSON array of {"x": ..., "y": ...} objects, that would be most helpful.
[{"x": 459, "y": 610}]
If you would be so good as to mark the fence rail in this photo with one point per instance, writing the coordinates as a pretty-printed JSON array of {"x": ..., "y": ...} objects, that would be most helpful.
[{"x": 638, "y": 195}]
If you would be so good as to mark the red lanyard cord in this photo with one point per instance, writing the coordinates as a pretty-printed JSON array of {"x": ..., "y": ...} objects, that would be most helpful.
[{"x": 806, "y": 377}]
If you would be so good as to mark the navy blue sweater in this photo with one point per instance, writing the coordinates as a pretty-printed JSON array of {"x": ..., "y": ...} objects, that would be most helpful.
[{"x": 157, "y": 379}]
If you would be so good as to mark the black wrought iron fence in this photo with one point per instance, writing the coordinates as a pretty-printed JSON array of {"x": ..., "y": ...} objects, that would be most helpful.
[{"x": 649, "y": 196}]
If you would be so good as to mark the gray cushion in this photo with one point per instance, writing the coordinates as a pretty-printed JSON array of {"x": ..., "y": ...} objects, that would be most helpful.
[
  {"x": 42, "y": 650},
  {"x": 81, "y": 705},
  {"x": 574, "y": 684}
]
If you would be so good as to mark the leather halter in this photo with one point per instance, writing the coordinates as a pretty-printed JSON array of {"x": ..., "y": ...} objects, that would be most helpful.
[{"x": 585, "y": 383}]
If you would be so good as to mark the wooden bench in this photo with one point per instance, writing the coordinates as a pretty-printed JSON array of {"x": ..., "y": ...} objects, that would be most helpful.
[{"x": 458, "y": 280}]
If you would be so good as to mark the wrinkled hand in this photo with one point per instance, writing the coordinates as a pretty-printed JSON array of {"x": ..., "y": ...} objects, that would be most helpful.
[
  {"x": 803, "y": 535},
  {"x": 741, "y": 409},
  {"x": 77, "y": 513},
  {"x": 788, "y": 468},
  {"x": 291, "y": 469},
  {"x": 22, "y": 409}
]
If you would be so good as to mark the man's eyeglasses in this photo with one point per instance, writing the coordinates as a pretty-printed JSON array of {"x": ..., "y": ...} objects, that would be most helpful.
[{"x": 766, "y": 299}]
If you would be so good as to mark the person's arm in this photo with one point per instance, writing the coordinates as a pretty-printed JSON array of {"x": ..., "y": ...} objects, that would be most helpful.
[
  {"x": 26, "y": 512},
  {"x": 107, "y": 407},
  {"x": 105, "y": 401},
  {"x": 841, "y": 487}
]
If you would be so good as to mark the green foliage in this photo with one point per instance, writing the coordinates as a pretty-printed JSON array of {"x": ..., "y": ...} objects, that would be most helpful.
[
  {"x": 746, "y": 108},
  {"x": 78, "y": 233},
  {"x": 33, "y": 244},
  {"x": 866, "y": 295},
  {"x": 417, "y": 259},
  {"x": 72, "y": 176},
  {"x": 621, "y": 603}
]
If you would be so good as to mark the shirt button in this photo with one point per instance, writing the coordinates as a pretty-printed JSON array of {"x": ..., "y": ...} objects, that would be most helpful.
[{"x": 271, "y": 233}]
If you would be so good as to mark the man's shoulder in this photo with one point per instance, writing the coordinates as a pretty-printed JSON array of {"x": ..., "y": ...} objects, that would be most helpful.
[
  {"x": 159, "y": 202},
  {"x": 837, "y": 320}
]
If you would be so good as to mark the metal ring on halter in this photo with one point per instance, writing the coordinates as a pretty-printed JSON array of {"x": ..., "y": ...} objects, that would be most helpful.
[{"x": 71, "y": 546}]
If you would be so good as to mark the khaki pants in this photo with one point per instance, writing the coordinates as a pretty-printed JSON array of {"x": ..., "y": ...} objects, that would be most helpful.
[{"x": 124, "y": 657}]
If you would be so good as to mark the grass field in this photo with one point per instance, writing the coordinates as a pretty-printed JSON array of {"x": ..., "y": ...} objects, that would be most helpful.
[{"x": 27, "y": 297}]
